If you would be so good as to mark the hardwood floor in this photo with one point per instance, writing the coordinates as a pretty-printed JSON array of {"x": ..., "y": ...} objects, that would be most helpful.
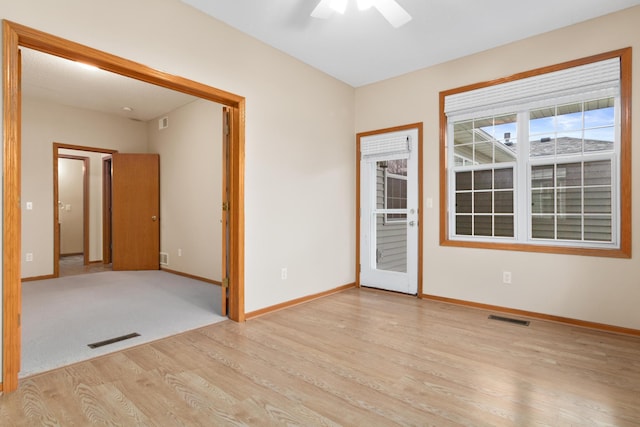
[
  {"x": 71, "y": 265},
  {"x": 357, "y": 358}
]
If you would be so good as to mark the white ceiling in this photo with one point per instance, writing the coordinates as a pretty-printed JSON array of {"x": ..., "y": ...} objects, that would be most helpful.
[
  {"x": 357, "y": 47},
  {"x": 65, "y": 82},
  {"x": 360, "y": 47}
]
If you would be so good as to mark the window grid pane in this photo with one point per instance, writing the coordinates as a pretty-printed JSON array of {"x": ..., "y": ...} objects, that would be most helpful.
[
  {"x": 572, "y": 201},
  {"x": 485, "y": 203}
]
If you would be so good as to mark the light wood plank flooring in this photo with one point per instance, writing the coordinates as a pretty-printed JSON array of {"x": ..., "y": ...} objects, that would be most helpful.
[
  {"x": 71, "y": 265},
  {"x": 357, "y": 358}
]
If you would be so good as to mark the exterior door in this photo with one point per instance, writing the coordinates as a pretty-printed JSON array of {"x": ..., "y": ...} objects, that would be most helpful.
[
  {"x": 389, "y": 211},
  {"x": 135, "y": 211}
]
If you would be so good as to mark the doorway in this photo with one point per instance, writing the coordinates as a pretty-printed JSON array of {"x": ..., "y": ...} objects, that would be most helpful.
[
  {"x": 94, "y": 181},
  {"x": 389, "y": 177},
  {"x": 72, "y": 209},
  {"x": 16, "y": 35}
]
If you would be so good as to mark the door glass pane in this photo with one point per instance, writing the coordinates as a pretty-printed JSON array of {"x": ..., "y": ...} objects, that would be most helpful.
[
  {"x": 391, "y": 244},
  {"x": 393, "y": 187}
]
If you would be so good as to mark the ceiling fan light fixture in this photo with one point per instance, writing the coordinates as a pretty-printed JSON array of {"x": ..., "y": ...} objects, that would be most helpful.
[
  {"x": 365, "y": 4},
  {"x": 323, "y": 10},
  {"x": 389, "y": 9},
  {"x": 339, "y": 6},
  {"x": 392, "y": 12}
]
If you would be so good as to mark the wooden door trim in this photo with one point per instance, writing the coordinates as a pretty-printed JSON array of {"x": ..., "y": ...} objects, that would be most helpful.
[
  {"x": 16, "y": 35},
  {"x": 359, "y": 136}
]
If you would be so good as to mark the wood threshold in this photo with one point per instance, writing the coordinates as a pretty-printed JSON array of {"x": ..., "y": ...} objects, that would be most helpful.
[
  {"x": 287, "y": 304},
  {"x": 191, "y": 276},
  {"x": 534, "y": 315},
  {"x": 34, "y": 278}
]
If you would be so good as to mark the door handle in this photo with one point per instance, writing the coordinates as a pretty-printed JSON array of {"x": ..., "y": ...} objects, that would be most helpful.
[{"x": 154, "y": 218}]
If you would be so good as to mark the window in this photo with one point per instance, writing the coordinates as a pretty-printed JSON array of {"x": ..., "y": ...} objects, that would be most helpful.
[
  {"x": 540, "y": 162},
  {"x": 395, "y": 188}
]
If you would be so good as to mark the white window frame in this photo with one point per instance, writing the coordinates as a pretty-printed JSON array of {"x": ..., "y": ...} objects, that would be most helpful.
[{"x": 522, "y": 188}]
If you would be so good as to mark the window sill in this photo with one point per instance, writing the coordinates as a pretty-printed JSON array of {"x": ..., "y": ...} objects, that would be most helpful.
[{"x": 523, "y": 247}]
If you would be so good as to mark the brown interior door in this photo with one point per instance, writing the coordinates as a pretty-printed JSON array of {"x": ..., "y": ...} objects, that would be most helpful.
[{"x": 135, "y": 211}]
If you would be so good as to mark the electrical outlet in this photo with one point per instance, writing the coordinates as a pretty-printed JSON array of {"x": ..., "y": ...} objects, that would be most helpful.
[
  {"x": 283, "y": 273},
  {"x": 179, "y": 252},
  {"x": 28, "y": 257},
  {"x": 506, "y": 277}
]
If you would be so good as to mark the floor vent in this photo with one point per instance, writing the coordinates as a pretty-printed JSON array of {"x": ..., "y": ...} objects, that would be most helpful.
[
  {"x": 164, "y": 258},
  {"x": 113, "y": 340},
  {"x": 510, "y": 320}
]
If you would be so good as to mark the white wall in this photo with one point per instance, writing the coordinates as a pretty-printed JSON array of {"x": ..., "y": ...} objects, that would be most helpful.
[
  {"x": 71, "y": 205},
  {"x": 44, "y": 123},
  {"x": 190, "y": 152},
  {"x": 588, "y": 288}
]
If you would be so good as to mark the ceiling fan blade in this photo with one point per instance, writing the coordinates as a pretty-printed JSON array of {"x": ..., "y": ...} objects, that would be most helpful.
[
  {"x": 392, "y": 12},
  {"x": 323, "y": 10}
]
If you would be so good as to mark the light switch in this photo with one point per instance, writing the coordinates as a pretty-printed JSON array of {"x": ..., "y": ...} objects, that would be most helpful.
[
  {"x": 29, "y": 206},
  {"x": 67, "y": 207}
]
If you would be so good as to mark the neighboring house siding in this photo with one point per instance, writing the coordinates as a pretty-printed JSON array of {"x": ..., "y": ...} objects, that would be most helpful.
[{"x": 391, "y": 247}]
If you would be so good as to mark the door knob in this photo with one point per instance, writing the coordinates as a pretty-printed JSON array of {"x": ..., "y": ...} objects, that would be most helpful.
[
  {"x": 154, "y": 218},
  {"x": 412, "y": 223}
]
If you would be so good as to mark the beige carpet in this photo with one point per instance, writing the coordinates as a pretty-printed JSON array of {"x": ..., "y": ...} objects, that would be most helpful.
[{"x": 60, "y": 317}]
